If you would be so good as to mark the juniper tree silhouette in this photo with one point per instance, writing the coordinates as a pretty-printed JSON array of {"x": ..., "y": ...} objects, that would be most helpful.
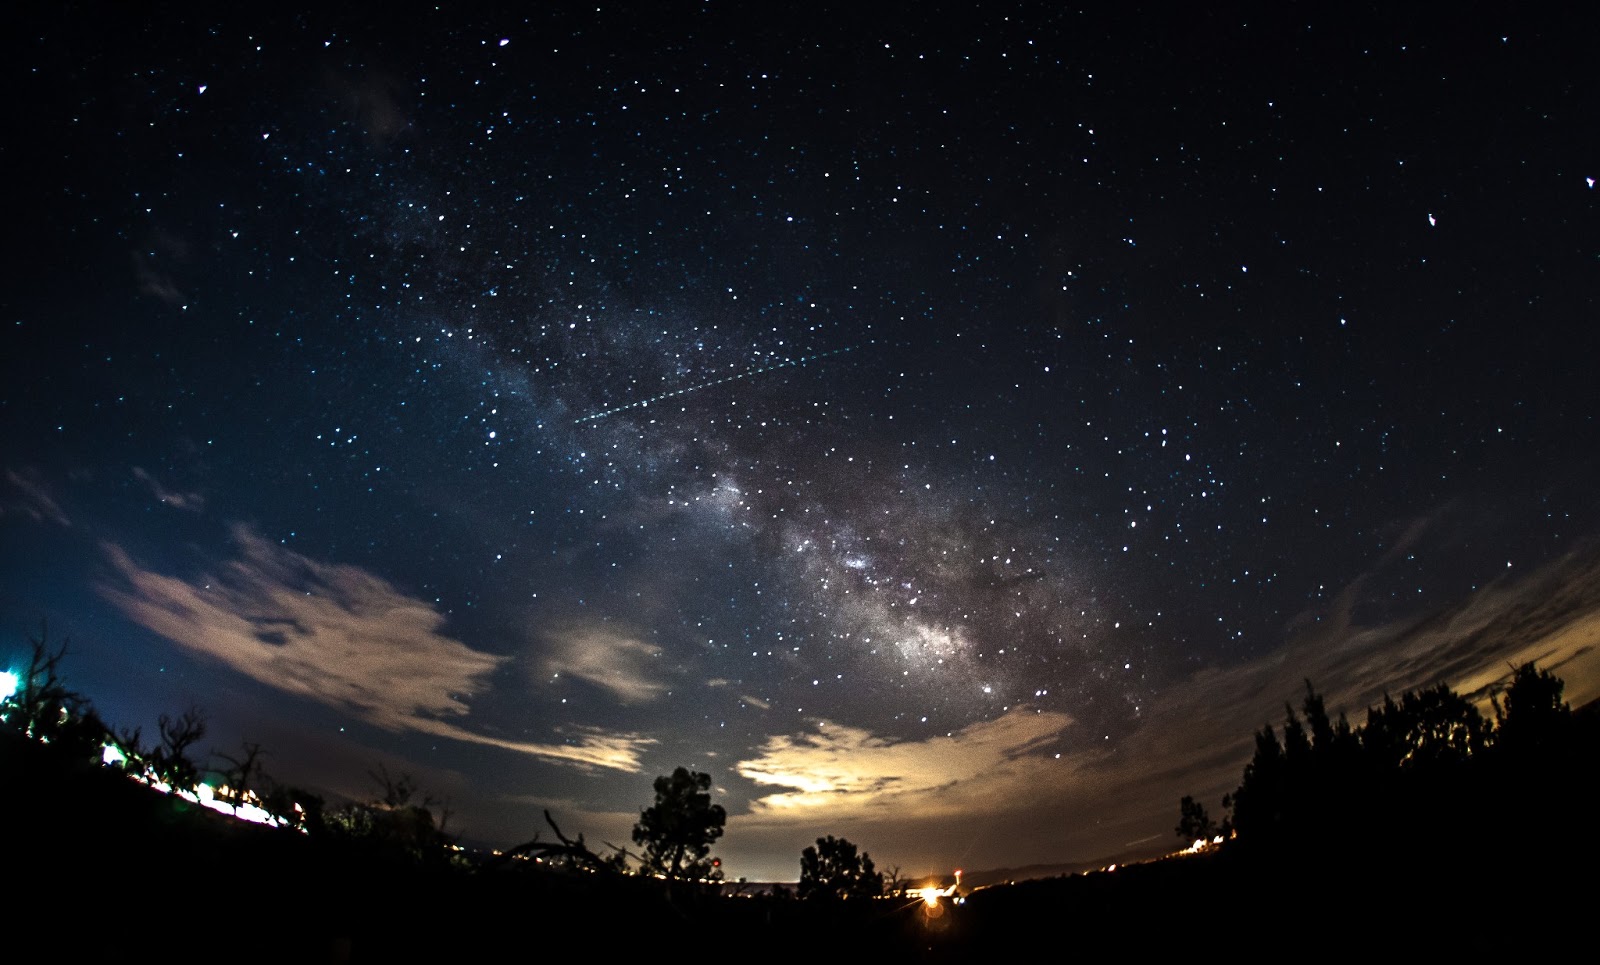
[
  {"x": 1328, "y": 781},
  {"x": 1431, "y": 728},
  {"x": 1533, "y": 716},
  {"x": 1194, "y": 824},
  {"x": 1425, "y": 773},
  {"x": 833, "y": 869},
  {"x": 678, "y": 829}
]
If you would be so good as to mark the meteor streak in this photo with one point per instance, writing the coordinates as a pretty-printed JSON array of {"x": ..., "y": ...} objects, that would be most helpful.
[{"x": 791, "y": 363}]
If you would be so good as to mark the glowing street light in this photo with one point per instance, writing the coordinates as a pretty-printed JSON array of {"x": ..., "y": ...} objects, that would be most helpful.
[{"x": 9, "y": 682}]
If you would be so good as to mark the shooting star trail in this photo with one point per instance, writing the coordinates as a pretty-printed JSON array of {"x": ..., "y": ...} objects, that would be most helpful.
[{"x": 792, "y": 363}]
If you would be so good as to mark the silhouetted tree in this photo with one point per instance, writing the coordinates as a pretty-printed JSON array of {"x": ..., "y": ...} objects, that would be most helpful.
[
  {"x": 44, "y": 708},
  {"x": 243, "y": 772},
  {"x": 1428, "y": 728},
  {"x": 677, "y": 831},
  {"x": 1258, "y": 802},
  {"x": 170, "y": 761},
  {"x": 1412, "y": 778},
  {"x": 1297, "y": 788},
  {"x": 297, "y": 808},
  {"x": 1194, "y": 824},
  {"x": 1533, "y": 715},
  {"x": 833, "y": 869},
  {"x": 397, "y": 791},
  {"x": 392, "y": 828},
  {"x": 41, "y": 700},
  {"x": 564, "y": 853},
  {"x": 1322, "y": 735},
  {"x": 1296, "y": 745},
  {"x": 130, "y": 741},
  {"x": 1541, "y": 765}
]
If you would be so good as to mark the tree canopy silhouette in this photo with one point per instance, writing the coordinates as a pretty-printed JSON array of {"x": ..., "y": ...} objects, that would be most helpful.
[
  {"x": 170, "y": 761},
  {"x": 1418, "y": 774},
  {"x": 1194, "y": 824},
  {"x": 833, "y": 869},
  {"x": 392, "y": 827},
  {"x": 1533, "y": 717},
  {"x": 41, "y": 706},
  {"x": 676, "y": 831}
]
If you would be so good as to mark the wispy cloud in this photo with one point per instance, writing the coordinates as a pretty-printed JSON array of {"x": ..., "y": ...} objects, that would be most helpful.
[
  {"x": 1196, "y": 735},
  {"x": 1551, "y": 616},
  {"x": 615, "y": 662},
  {"x": 28, "y": 496},
  {"x": 194, "y": 502},
  {"x": 374, "y": 98},
  {"x": 340, "y": 636},
  {"x": 161, "y": 250}
]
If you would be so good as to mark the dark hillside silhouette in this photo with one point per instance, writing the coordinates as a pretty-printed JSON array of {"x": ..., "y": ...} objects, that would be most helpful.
[{"x": 1408, "y": 835}]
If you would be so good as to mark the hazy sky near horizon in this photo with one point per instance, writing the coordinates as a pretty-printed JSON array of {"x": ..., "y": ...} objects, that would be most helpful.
[{"x": 951, "y": 426}]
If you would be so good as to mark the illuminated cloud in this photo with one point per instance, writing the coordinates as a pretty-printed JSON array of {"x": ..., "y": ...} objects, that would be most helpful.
[
  {"x": 590, "y": 747},
  {"x": 340, "y": 636},
  {"x": 847, "y": 771},
  {"x": 1550, "y": 616},
  {"x": 925, "y": 801},
  {"x": 1196, "y": 735},
  {"x": 614, "y": 662}
]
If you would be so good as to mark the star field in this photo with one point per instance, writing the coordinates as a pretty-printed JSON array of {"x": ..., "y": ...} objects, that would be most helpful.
[{"x": 544, "y": 401}]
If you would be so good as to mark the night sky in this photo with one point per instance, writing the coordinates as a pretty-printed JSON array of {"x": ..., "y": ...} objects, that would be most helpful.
[{"x": 953, "y": 427}]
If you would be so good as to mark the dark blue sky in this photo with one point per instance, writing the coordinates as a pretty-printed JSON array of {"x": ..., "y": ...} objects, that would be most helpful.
[{"x": 949, "y": 426}]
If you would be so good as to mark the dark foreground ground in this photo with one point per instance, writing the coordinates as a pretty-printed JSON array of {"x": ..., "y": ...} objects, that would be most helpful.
[{"x": 100, "y": 869}]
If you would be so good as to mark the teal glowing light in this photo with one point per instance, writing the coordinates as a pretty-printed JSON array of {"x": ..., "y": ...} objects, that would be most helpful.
[{"x": 8, "y": 684}]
